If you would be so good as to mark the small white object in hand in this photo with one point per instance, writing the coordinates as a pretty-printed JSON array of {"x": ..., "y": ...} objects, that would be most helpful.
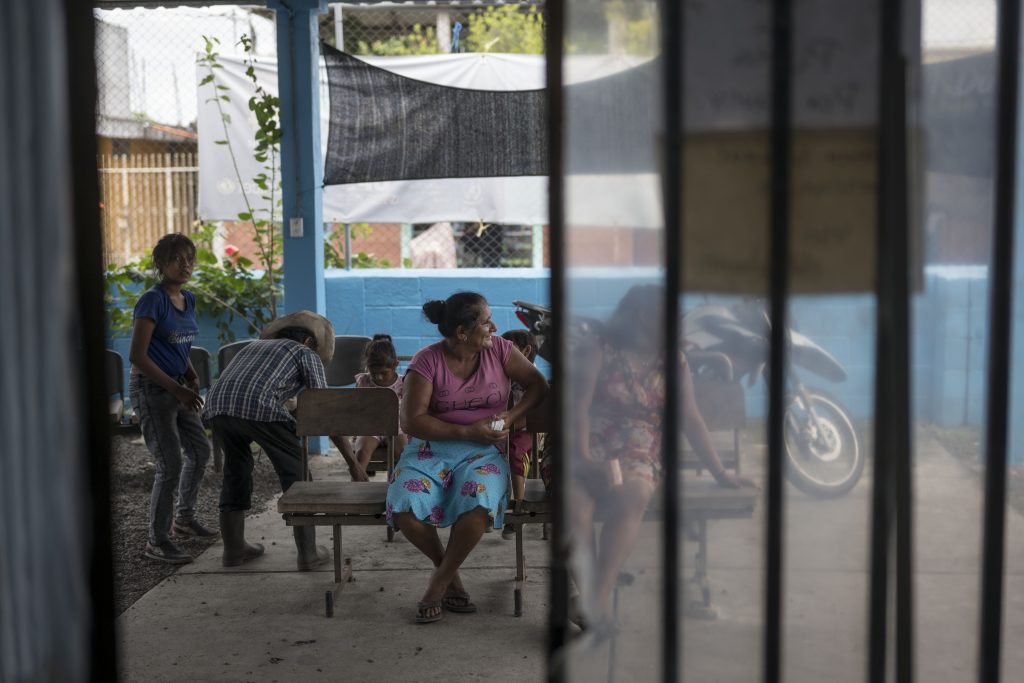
[{"x": 498, "y": 425}]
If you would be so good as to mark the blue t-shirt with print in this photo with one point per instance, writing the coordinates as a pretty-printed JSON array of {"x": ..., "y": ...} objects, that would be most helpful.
[{"x": 174, "y": 332}]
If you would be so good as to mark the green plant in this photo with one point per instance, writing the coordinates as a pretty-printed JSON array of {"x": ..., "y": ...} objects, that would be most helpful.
[
  {"x": 226, "y": 289},
  {"x": 505, "y": 28},
  {"x": 267, "y": 234}
]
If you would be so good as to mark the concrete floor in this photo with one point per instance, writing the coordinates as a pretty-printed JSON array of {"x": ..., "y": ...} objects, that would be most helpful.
[{"x": 264, "y": 621}]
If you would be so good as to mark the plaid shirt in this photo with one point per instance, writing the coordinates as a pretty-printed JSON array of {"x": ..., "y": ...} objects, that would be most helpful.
[{"x": 264, "y": 375}]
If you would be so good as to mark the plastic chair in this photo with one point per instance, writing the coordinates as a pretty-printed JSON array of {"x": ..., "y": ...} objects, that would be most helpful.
[
  {"x": 228, "y": 352},
  {"x": 200, "y": 359},
  {"x": 224, "y": 356},
  {"x": 347, "y": 361},
  {"x": 114, "y": 377}
]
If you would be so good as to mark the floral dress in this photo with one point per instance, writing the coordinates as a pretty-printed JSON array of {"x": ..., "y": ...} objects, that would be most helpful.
[
  {"x": 438, "y": 481},
  {"x": 625, "y": 416}
]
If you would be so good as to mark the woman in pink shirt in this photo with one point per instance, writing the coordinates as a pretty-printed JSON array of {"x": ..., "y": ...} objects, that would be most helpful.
[{"x": 453, "y": 472}]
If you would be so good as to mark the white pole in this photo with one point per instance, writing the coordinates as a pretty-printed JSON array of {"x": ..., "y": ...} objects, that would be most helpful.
[
  {"x": 169, "y": 199},
  {"x": 444, "y": 32},
  {"x": 339, "y": 29}
]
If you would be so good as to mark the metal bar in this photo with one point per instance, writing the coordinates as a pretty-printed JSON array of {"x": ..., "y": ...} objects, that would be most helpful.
[
  {"x": 672, "y": 34},
  {"x": 151, "y": 169},
  {"x": 1000, "y": 321},
  {"x": 339, "y": 28},
  {"x": 892, "y": 502},
  {"x": 80, "y": 41},
  {"x": 558, "y": 616},
  {"x": 336, "y": 528},
  {"x": 169, "y": 202},
  {"x": 894, "y": 188},
  {"x": 537, "y": 255},
  {"x": 782, "y": 16},
  {"x": 348, "y": 246}
]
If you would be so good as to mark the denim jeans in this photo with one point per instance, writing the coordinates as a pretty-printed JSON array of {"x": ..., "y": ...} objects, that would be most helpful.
[{"x": 170, "y": 428}]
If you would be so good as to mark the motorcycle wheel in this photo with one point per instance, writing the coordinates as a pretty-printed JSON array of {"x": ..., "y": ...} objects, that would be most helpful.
[{"x": 825, "y": 465}]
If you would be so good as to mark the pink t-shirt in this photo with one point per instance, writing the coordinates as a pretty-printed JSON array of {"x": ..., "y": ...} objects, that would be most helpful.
[{"x": 463, "y": 401}]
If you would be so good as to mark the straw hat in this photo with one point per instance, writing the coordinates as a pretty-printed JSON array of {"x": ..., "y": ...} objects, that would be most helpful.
[{"x": 319, "y": 326}]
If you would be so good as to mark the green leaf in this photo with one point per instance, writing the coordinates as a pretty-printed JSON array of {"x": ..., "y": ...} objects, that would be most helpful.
[
  {"x": 245, "y": 216},
  {"x": 220, "y": 142},
  {"x": 206, "y": 80}
]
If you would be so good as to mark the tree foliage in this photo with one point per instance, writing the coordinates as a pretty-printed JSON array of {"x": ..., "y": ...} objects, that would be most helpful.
[
  {"x": 422, "y": 41},
  {"x": 506, "y": 28}
]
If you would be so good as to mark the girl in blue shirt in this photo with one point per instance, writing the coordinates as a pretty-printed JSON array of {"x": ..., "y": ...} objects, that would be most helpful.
[{"x": 164, "y": 389}]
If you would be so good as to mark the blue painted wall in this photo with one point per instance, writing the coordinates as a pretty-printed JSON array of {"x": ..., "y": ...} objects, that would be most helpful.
[{"x": 949, "y": 327}]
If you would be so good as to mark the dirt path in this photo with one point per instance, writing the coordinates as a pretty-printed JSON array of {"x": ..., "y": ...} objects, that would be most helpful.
[{"x": 132, "y": 471}]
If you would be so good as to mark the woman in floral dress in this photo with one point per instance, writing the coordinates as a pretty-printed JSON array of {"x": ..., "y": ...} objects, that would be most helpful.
[
  {"x": 453, "y": 471},
  {"x": 620, "y": 404}
]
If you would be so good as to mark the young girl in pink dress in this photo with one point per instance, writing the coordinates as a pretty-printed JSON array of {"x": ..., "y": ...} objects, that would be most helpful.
[{"x": 381, "y": 362}]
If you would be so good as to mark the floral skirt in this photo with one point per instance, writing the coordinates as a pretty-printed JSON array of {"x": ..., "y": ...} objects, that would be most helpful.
[{"x": 439, "y": 481}]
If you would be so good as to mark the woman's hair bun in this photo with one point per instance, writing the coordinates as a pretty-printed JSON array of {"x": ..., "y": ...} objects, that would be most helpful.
[
  {"x": 381, "y": 335},
  {"x": 434, "y": 310}
]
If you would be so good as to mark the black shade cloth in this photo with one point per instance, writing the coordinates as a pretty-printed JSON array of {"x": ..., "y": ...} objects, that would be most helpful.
[
  {"x": 389, "y": 127},
  {"x": 959, "y": 115}
]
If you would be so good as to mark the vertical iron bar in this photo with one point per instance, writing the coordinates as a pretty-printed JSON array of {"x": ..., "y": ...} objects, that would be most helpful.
[
  {"x": 893, "y": 185},
  {"x": 80, "y": 42},
  {"x": 781, "y": 23},
  {"x": 558, "y": 617},
  {"x": 882, "y": 493},
  {"x": 1000, "y": 312},
  {"x": 672, "y": 38},
  {"x": 892, "y": 503}
]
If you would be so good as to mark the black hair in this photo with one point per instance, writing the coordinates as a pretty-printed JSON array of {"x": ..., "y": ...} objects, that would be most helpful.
[
  {"x": 380, "y": 352},
  {"x": 522, "y": 339},
  {"x": 461, "y": 308},
  {"x": 640, "y": 308},
  {"x": 299, "y": 334},
  {"x": 168, "y": 246}
]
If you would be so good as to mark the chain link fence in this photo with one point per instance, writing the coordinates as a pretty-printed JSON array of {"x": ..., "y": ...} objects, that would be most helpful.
[
  {"x": 148, "y": 137},
  {"x": 146, "y": 118}
]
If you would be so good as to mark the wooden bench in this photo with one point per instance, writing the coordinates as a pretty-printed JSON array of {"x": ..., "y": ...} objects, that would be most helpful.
[
  {"x": 722, "y": 405},
  {"x": 322, "y": 412}
]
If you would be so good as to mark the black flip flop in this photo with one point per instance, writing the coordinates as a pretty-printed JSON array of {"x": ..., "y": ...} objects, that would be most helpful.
[
  {"x": 423, "y": 607},
  {"x": 458, "y": 602}
]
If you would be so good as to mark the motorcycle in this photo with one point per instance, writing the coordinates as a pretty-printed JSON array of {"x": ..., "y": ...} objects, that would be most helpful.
[{"x": 822, "y": 444}]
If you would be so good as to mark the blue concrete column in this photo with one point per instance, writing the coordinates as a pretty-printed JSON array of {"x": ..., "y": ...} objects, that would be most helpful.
[
  {"x": 298, "y": 67},
  {"x": 298, "y": 55}
]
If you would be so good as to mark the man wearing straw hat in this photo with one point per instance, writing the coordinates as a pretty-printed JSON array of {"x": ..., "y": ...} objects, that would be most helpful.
[{"x": 246, "y": 405}]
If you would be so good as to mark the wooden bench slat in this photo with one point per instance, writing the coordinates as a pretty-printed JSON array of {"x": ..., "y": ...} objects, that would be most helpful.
[
  {"x": 368, "y": 498},
  {"x": 334, "y": 497}
]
